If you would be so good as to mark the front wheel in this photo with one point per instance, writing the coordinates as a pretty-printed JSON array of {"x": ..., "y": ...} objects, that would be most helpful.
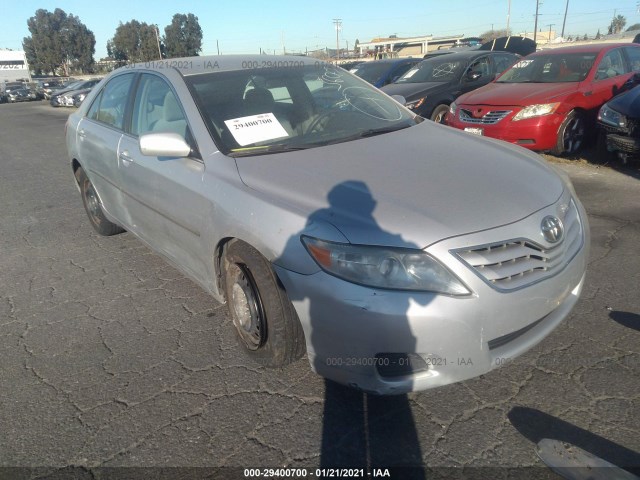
[
  {"x": 571, "y": 134},
  {"x": 439, "y": 113},
  {"x": 267, "y": 324}
]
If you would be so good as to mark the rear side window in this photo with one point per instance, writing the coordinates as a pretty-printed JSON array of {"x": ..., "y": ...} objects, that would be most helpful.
[{"x": 109, "y": 107}]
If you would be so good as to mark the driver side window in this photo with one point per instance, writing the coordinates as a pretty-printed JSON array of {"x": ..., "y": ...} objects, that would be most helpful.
[
  {"x": 157, "y": 109},
  {"x": 611, "y": 65},
  {"x": 478, "y": 69},
  {"x": 109, "y": 107}
]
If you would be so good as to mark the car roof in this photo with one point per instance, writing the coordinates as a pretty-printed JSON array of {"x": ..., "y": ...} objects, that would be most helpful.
[
  {"x": 591, "y": 48},
  {"x": 465, "y": 55},
  {"x": 220, "y": 63},
  {"x": 391, "y": 61}
]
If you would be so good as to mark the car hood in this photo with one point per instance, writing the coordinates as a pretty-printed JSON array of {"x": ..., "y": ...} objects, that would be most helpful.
[
  {"x": 409, "y": 188},
  {"x": 412, "y": 91},
  {"x": 628, "y": 103},
  {"x": 521, "y": 94}
]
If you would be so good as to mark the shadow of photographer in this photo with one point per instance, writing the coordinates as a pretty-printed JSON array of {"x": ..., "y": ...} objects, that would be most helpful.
[{"x": 361, "y": 430}]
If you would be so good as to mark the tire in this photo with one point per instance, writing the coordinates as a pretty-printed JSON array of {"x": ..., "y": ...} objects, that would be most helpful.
[
  {"x": 571, "y": 134},
  {"x": 439, "y": 113},
  {"x": 267, "y": 324},
  {"x": 92, "y": 206}
]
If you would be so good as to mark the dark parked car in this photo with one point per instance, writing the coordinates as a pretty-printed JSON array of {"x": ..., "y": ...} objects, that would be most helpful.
[
  {"x": 22, "y": 94},
  {"x": 382, "y": 72},
  {"x": 45, "y": 87},
  {"x": 78, "y": 96},
  {"x": 433, "y": 84},
  {"x": 619, "y": 123},
  {"x": 57, "y": 97}
]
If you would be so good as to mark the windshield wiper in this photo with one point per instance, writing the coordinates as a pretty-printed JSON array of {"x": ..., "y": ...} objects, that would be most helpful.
[{"x": 267, "y": 149}]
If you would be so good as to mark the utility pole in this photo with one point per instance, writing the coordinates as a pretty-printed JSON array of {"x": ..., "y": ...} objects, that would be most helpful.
[
  {"x": 157, "y": 32},
  {"x": 338, "y": 23},
  {"x": 535, "y": 26},
  {"x": 218, "y": 46},
  {"x": 566, "y": 9},
  {"x": 549, "y": 37},
  {"x": 509, "y": 16}
]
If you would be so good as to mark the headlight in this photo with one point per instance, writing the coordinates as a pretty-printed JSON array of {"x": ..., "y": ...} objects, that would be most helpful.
[
  {"x": 382, "y": 267},
  {"x": 452, "y": 108},
  {"x": 611, "y": 117},
  {"x": 536, "y": 111},
  {"x": 415, "y": 104}
]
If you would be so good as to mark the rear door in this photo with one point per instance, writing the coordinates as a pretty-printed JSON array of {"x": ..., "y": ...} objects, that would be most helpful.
[{"x": 98, "y": 137}]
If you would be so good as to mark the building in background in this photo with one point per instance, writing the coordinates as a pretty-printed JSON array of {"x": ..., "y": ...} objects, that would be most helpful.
[{"x": 13, "y": 66}]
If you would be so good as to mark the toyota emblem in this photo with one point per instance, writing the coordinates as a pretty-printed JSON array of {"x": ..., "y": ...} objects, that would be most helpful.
[{"x": 552, "y": 229}]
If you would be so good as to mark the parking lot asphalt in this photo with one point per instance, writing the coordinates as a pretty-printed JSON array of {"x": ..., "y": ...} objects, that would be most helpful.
[{"x": 111, "y": 358}]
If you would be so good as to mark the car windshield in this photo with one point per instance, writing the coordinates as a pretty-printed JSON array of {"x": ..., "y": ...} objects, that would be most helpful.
[
  {"x": 550, "y": 68},
  {"x": 371, "y": 71},
  {"x": 436, "y": 69},
  {"x": 259, "y": 111}
]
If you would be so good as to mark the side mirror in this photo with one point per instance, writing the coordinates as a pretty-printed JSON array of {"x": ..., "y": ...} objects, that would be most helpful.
[
  {"x": 164, "y": 145},
  {"x": 400, "y": 99},
  {"x": 471, "y": 76}
]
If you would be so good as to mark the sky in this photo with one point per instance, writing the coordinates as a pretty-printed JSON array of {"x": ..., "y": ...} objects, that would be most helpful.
[{"x": 248, "y": 26}]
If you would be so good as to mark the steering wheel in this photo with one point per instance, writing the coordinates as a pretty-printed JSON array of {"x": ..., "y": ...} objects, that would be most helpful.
[{"x": 324, "y": 116}]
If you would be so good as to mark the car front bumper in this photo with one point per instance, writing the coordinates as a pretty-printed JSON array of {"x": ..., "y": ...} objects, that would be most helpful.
[
  {"x": 362, "y": 337},
  {"x": 539, "y": 133}
]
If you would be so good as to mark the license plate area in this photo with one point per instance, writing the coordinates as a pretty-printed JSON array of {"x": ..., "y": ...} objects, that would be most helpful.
[{"x": 474, "y": 130}]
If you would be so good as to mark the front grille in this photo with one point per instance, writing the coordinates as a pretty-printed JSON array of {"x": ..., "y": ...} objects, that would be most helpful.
[
  {"x": 518, "y": 263},
  {"x": 624, "y": 144},
  {"x": 488, "y": 118}
]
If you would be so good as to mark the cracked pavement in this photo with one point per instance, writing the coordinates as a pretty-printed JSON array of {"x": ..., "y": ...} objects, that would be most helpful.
[{"x": 109, "y": 357}]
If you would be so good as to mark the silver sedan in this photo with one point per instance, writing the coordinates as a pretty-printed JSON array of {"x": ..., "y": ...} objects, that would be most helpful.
[{"x": 399, "y": 254}]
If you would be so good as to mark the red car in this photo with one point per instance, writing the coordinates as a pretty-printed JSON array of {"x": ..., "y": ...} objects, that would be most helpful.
[{"x": 549, "y": 100}]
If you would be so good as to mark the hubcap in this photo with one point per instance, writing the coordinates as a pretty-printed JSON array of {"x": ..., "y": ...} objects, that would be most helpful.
[{"x": 248, "y": 315}]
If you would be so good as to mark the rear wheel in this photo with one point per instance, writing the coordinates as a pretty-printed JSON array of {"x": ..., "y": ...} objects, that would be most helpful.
[
  {"x": 571, "y": 134},
  {"x": 267, "y": 324},
  {"x": 92, "y": 206},
  {"x": 439, "y": 113}
]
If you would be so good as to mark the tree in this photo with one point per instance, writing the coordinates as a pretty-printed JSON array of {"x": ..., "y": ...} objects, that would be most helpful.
[
  {"x": 598, "y": 35},
  {"x": 134, "y": 41},
  {"x": 183, "y": 37},
  {"x": 585, "y": 37},
  {"x": 491, "y": 34},
  {"x": 617, "y": 24},
  {"x": 59, "y": 42},
  {"x": 635, "y": 26}
]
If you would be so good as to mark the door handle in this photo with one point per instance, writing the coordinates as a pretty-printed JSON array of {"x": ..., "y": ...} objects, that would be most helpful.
[
  {"x": 125, "y": 157},
  {"x": 81, "y": 133}
]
